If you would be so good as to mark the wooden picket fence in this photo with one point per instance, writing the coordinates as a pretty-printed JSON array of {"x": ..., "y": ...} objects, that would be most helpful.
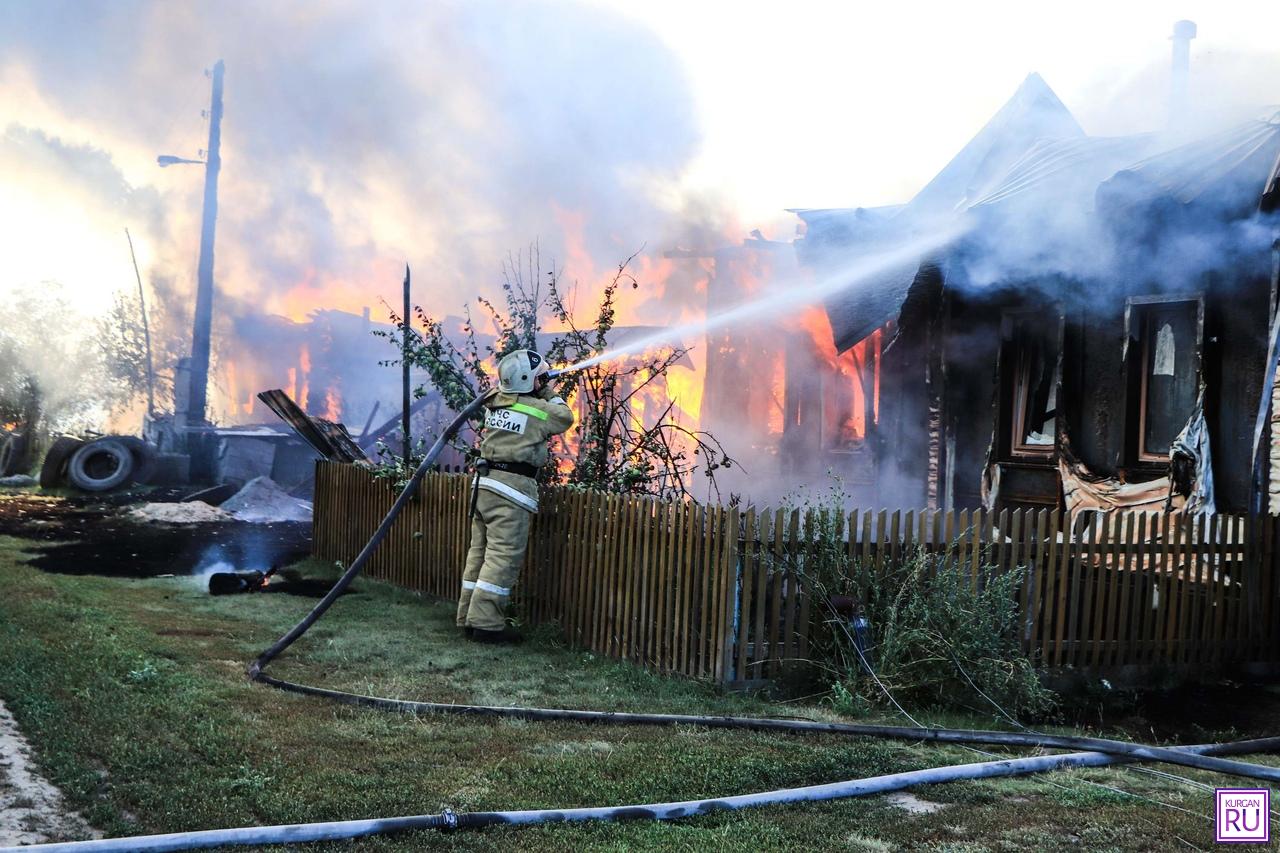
[{"x": 721, "y": 593}]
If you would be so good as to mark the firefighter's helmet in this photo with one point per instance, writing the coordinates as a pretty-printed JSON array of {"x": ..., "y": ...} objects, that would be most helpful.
[{"x": 519, "y": 370}]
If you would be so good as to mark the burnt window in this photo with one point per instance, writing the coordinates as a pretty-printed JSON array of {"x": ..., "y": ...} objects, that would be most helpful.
[
  {"x": 851, "y": 394},
  {"x": 1165, "y": 337},
  {"x": 1032, "y": 340}
]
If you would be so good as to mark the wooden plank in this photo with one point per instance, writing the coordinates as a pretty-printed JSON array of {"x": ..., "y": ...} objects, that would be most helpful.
[
  {"x": 1036, "y": 559},
  {"x": 750, "y": 563},
  {"x": 866, "y": 564},
  {"x": 1192, "y": 642},
  {"x": 804, "y": 588},
  {"x": 982, "y": 532},
  {"x": 598, "y": 621},
  {"x": 775, "y": 607},
  {"x": 728, "y": 576},
  {"x": 1011, "y": 555},
  {"x": 683, "y": 575},
  {"x": 1000, "y": 545},
  {"x": 880, "y": 555},
  {"x": 703, "y": 589},
  {"x": 1242, "y": 588},
  {"x": 670, "y": 567},
  {"x": 851, "y": 553},
  {"x": 644, "y": 578},
  {"x": 694, "y": 568},
  {"x": 1169, "y": 625},
  {"x": 1160, "y": 595},
  {"x": 1079, "y": 606},
  {"x": 1059, "y": 559},
  {"x": 790, "y": 601},
  {"x": 1118, "y": 619},
  {"x": 625, "y": 591},
  {"x": 895, "y": 553},
  {"x": 1100, "y": 573},
  {"x": 578, "y": 568},
  {"x": 1112, "y": 576},
  {"x": 662, "y": 512},
  {"x": 1219, "y": 527},
  {"x": 701, "y": 633},
  {"x": 759, "y": 644}
]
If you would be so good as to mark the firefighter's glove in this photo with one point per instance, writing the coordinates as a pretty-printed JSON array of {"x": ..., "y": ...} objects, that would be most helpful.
[{"x": 546, "y": 389}]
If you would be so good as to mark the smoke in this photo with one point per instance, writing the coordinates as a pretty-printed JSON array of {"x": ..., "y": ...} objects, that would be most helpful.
[{"x": 357, "y": 137}]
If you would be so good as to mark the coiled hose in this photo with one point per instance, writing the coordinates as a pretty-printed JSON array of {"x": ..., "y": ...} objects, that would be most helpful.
[{"x": 1098, "y": 751}]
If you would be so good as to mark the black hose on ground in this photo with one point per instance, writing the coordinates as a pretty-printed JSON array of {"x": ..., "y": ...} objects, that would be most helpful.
[{"x": 334, "y": 830}]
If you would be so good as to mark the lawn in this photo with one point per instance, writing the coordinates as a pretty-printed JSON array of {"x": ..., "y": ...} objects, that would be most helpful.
[{"x": 134, "y": 696}]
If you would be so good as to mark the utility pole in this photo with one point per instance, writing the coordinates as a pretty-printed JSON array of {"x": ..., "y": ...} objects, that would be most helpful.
[
  {"x": 202, "y": 330},
  {"x": 404, "y": 362}
]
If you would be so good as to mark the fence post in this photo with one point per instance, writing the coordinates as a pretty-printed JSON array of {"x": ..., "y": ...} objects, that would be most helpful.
[{"x": 728, "y": 597}]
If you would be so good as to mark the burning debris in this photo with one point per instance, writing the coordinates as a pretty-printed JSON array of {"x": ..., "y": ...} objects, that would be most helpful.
[{"x": 275, "y": 579}]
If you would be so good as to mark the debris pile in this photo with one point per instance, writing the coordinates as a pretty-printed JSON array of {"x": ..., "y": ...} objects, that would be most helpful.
[
  {"x": 187, "y": 512},
  {"x": 262, "y": 501}
]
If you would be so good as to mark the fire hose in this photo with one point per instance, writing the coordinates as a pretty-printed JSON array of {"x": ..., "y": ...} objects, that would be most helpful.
[
  {"x": 345, "y": 829},
  {"x": 1094, "y": 752}
]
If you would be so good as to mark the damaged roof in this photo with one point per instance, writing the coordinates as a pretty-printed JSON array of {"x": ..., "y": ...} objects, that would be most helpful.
[
  {"x": 1033, "y": 151},
  {"x": 1033, "y": 113},
  {"x": 1233, "y": 169}
]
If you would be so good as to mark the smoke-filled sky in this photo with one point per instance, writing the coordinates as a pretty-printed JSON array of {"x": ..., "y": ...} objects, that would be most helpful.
[{"x": 358, "y": 136}]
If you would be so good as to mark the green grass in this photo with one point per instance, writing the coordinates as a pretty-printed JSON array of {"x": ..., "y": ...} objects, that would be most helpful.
[{"x": 133, "y": 694}]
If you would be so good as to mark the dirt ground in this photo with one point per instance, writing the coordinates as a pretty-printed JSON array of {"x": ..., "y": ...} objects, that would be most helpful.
[
  {"x": 31, "y": 810},
  {"x": 94, "y": 536}
]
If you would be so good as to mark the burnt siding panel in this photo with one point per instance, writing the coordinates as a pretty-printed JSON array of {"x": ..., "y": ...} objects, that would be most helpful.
[
  {"x": 1235, "y": 353},
  {"x": 972, "y": 348},
  {"x": 902, "y": 461}
]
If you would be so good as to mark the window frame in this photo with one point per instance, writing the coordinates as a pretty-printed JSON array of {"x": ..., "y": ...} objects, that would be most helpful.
[
  {"x": 870, "y": 396},
  {"x": 1138, "y": 332},
  {"x": 1013, "y": 415}
]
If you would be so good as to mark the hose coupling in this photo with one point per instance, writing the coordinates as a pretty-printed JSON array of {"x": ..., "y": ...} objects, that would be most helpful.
[{"x": 450, "y": 819}]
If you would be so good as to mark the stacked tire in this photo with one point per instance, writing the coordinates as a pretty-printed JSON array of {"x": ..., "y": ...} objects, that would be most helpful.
[
  {"x": 97, "y": 465},
  {"x": 13, "y": 450}
]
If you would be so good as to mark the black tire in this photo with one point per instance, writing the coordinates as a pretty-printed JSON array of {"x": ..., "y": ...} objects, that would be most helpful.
[
  {"x": 9, "y": 453},
  {"x": 100, "y": 466},
  {"x": 144, "y": 457},
  {"x": 53, "y": 472}
]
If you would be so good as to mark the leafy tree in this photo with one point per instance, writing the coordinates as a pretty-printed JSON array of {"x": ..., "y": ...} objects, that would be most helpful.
[{"x": 610, "y": 447}]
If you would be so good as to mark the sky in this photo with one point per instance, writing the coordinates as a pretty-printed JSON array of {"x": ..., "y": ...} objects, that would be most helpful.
[{"x": 360, "y": 136}]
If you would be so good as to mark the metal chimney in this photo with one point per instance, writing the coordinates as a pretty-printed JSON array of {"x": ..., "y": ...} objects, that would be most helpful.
[{"x": 1183, "y": 33}]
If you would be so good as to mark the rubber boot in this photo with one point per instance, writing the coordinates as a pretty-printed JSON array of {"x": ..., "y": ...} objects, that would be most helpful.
[{"x": 507, "y": 636}]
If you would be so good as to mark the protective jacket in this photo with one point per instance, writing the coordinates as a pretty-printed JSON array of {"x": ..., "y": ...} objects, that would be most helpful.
[{"x": 516, "y": 429}]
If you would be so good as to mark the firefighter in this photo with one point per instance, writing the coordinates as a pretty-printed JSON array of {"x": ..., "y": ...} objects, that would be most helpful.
[{"x": 520, "y": 416}]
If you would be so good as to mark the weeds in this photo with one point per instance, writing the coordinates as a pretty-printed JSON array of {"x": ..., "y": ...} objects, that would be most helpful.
[{"x": 921, "y": 632}]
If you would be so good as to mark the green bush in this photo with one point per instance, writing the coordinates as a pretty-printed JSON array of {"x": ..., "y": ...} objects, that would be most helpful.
[{"x": 934, "y": 635}]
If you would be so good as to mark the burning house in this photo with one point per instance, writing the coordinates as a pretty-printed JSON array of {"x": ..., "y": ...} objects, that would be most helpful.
[{"x": 1095, "y": 337}]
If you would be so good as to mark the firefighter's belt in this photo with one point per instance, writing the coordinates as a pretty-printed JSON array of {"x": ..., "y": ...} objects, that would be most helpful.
[{"x": 521, "y": 468}]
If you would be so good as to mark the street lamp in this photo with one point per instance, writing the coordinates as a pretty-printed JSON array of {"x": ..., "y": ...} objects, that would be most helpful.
[{"x": 170, "y": 160}]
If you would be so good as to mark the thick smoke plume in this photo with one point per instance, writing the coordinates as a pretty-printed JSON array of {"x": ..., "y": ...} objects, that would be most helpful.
[{"x": 358, "y": 137}]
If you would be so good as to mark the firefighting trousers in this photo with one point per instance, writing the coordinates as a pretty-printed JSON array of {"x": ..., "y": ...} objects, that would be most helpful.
[{"x": 499, "y": 535}]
